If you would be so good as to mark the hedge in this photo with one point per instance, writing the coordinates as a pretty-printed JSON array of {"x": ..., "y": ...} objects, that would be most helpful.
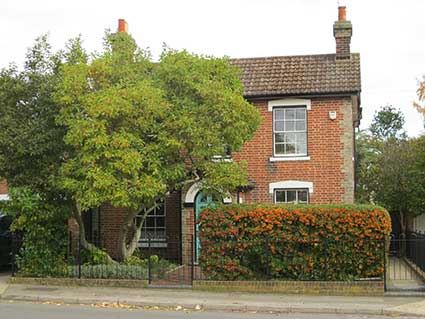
[{"x": 299, "y": 242}]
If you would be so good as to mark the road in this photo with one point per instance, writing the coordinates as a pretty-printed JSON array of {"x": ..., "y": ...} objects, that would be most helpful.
[{"x": 23, "y": 310}]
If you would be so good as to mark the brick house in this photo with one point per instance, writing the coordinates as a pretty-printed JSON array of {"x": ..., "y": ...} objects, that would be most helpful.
[{"x": 303, "y": 152}]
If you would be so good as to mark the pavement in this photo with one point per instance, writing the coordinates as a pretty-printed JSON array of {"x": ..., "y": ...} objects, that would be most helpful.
[{"x": 150, "y": 298}]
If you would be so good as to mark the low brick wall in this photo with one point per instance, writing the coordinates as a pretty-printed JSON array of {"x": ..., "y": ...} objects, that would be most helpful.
[
  {"x": 337, "y": 288},
  {"x": 80, "y": 282}
]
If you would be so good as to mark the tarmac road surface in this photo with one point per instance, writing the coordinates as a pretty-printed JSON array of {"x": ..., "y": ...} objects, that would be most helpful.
[{"x": 24, "y": 310}]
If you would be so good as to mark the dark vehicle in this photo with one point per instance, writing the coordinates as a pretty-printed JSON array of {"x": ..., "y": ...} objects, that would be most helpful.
[{"x": 5, "y": 241}]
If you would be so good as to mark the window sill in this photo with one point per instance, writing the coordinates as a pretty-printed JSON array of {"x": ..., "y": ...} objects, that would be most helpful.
[
  {"x": 153, "y": 245},
  {"x": 219, "y": 158},
  {"x": 289, "y": 158}
]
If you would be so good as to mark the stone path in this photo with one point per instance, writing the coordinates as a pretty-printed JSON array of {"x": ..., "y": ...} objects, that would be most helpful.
[{"x": 401, "y": 277}]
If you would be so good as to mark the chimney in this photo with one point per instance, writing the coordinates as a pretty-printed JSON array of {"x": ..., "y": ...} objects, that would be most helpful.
[
  {"x": 122, "y": 26},
  {"x": 343, "y": 31}
]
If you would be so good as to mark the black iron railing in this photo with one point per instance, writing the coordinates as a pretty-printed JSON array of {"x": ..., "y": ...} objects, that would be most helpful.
[{"x": 157, "y": 262}]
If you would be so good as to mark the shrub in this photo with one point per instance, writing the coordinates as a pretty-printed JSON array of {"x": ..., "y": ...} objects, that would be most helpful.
[
  {"x": 299, "y": 242},
  {"x": 43, "y": 227},
  {"x": 94, "y": 257},
  {"x": 132, "y": 267},
  {"x": 109, "y": 271}
]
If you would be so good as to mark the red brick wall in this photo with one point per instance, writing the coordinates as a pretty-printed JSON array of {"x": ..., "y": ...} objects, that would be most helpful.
[
  {"x": 112, "y": 219},
  {"x": 3, "y": 187},
  {"x": 325, "y": 148}
]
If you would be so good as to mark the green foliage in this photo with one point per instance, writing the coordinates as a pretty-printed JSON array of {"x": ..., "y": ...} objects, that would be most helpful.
[
  {"x": 138, "y": 130},
  {"x": 44, "y": 246},
  {"x": 109, "y": 271},
  {"x": 131, "y": 268},
  {"x": 420, "y": 104},
  {"x": 31, "y": 144},
  {"x": 137, "y": 261},
  {"x": 94, "y": 257},
  {"x": 300, "y": 242},
  {"x": 387, "y": 123},
  {"x": 389, "y": 167},
  {"x": 118, "y": 128}
]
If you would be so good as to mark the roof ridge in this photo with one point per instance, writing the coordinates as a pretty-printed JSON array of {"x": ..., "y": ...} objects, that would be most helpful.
[{"x": 291, "y": 56}]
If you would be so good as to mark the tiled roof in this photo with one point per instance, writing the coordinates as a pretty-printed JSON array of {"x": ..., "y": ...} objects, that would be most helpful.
[{"x": 297, "y": 75}]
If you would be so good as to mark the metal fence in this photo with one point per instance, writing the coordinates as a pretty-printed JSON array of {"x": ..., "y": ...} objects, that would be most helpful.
[
  {"x": 153, "y": 261},
  {"x": 416, "y": 249},
  {"x": 406, "y": 260}
]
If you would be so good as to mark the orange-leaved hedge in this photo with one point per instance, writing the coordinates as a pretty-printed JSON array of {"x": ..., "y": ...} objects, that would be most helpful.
[{"x": 297, "y": 242}]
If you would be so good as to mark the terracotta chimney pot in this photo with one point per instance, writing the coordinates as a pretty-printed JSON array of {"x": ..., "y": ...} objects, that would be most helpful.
[
  {"x": 122, "y": 26},
  {"x": 342, "y": 13}
]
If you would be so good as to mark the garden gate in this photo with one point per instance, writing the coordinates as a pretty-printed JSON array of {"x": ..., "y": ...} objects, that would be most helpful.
[{"x": 405, "y": 269}]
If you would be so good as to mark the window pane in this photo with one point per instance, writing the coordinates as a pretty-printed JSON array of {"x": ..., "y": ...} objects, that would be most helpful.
[
  {"x": 160, "y": 234},
  {"x": 280, "y": 197},
  {"x": 290, "y": 137},
  {"x": 160, "y": 211},
  {"x": 150, "y": 222},
  {"x": 280, "y": 148},
  {"x": 278, "y": 126},
  {"x": 279, "y": 114},
  {"x": 279, "y": 137},
  {"x": 291, "y": 196},
  {"x": 289, "y": 126},
  {"x": 301, "y": 138},
  {"x": 300, "y": 126},
  {"x": 160, "y": 222},
  {"x": 290, "y": 149},
  {"x": 301, "y": 148},
  {"x": 300, "y": 114},
  {"x": 290, "y": 114},
  {"x": 302, "y": 196}
]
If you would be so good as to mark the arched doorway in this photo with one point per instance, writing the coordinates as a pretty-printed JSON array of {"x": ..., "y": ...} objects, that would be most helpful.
[{"x": 202, "y": 201}]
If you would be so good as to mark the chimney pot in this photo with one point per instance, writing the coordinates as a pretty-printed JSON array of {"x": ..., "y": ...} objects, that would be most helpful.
[
  {"x": 342, "y": 13},
  {"x": 122, "y": 26}
]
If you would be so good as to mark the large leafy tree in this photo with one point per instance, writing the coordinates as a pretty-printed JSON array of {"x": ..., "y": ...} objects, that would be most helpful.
[
  {"x": 389, "y": 169},
  {"x": 387, "y": 125},
  {"x": 31, "y": 144},
  {"x": 120, "y": 129}
]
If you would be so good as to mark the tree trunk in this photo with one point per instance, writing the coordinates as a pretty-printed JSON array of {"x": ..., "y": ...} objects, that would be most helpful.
[
  {"x": 127, "y": 243},
  {"x": 82, "y": 233},
  {"x": 126, "y": 226}
]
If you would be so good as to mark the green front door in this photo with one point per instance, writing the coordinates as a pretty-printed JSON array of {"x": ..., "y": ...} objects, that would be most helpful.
[{"x": 202, "y": 201}]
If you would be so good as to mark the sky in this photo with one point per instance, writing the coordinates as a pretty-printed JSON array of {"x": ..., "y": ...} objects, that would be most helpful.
[{"x": 388, "y": 34}]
